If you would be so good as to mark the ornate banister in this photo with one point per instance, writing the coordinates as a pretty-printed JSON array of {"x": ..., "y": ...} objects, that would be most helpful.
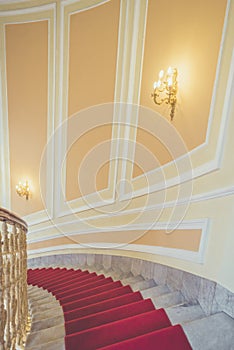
[{"x": 13, "y": 281}]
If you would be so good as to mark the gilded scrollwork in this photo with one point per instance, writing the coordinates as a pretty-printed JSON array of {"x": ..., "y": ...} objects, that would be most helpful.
[{"x": 13, "y": 281}]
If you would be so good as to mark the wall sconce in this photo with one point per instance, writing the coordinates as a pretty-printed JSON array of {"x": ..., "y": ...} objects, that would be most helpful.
[
  {"x": 165, "y": 89},
  {"x": 23, "y": 189}
]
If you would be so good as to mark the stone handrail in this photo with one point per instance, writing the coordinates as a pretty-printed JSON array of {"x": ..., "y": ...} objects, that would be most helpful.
[{"x": 13, "y": 281}]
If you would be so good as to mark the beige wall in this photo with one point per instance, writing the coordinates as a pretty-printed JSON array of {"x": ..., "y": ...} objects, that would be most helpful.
[
  {"x": 188, "y": 37},
  {"x": 185, "y": 35},
  {"x": 92, "y": 56},
  {"x": 27, "y": 76},
  {"x": 92, "y": 68},
  {"x": 77, "y": 166},
  {"x": 179, "y": 239}
]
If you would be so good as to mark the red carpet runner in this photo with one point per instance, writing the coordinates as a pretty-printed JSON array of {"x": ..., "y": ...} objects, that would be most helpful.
[{"x": 102, "y": 314}]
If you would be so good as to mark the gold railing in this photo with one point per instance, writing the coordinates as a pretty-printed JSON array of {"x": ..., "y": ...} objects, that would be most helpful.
[{"x": 13, "y": 281}]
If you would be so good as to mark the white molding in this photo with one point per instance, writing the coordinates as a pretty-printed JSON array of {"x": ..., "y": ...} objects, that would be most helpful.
[
  {"x": 39, "y": 217},
  {"x": 205, "y": 168},
  {"x": 196, "y": 257},
  {"x": 61, "y": 207},
  {"x": 214, "y": 194},
  {"x": 59, "y": 145},
  {"x": 127, "y": 87},
  {"x": 204, "y": 240},
  {"x": 36, "y": 218},
  {"x": 217, "y": 74},
  {"x": 218, "y": 193},
  {"x": 5, "y": 185},
  {"x": 170, "y": 252},
  {"x": 115, "y": 153},
  {"x": 194, "y": 224},
  {"x": 226, "y": 110},
  {"x": 213, "y": 164},
  {"x": 49, "y": 200},
  {"x": 4, "y": 130},
  {"x": 81, "y": 208},
  {"x": 26, "y": 11},
  {"x": 97, "y": 3}
]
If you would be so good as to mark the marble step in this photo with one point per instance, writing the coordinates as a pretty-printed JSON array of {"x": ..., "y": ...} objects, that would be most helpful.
[
  {"x": 184, "y": 313},
  {"x": 167, "y": 300},
  {"x": 54, "y": 345},
  {"x": 36, "y": 291},
  {"x": 41, "y": 307},
  {"x": 93, "y": 268},
  {"x": 43, "y": 299},
  {"x": 131, "y": 280},
  {"x": 212, "y": 332},
  {"x": 142, "y": 285},
  {"x": 155, "y": 291},
  {"x": 105, "y": 273},
  {"x": 39, "y": 296},
  {"x": 57, "y": 311},
  {"x": 47, "y": 323},
  {"x": 31, "y": 288},
  {"x": 45, "y": 336},
  {"x": 117, "y": 275}
]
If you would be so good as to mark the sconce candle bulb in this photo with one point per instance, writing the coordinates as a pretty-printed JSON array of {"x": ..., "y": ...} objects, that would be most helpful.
[
  {"x": 161, "y": 74},
  {"x": 169, "y": 71},
  {"x": 165, "y": 89}
]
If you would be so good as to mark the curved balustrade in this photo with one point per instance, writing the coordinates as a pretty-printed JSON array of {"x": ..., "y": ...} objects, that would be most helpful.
[{"x": 13, "y": 281}]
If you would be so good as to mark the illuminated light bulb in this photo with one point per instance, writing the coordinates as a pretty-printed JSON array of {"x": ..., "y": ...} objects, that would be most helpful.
[
  {"x": 155, "y": 85},
  {"x": 159, "y": 83},
  {"x": 169, "y": 81},
  {"x": 169, "y": 71},
  {"x": 161, "y": 73}
]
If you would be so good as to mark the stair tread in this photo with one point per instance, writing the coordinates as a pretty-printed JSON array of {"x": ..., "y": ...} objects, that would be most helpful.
[
  {"x": 169, "y": 299},
  {"x": 142, "y": 285},
  {"x": 45, "y": 335},
  {"x": 155, "y": 291},
  {"x": 212, "y": 332},
  {"x": 47, "y": 323},
  {"x": 53, "y": 345},
  {"x": 132, "y": 279},
  {"x": 184, "y": 313}
]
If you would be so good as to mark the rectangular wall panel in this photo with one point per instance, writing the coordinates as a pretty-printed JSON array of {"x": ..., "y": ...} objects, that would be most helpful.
[{"x": 27, "y": 80}]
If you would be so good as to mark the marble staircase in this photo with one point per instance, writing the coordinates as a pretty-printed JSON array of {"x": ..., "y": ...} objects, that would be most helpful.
[{"x": 204, "y": 332}]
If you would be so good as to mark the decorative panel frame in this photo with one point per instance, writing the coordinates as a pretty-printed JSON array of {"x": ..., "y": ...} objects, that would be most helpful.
[
  {"x": 130, "y": 14},
  {"x": 24, "y": 15},
  {"x": 207, "y": 157}
]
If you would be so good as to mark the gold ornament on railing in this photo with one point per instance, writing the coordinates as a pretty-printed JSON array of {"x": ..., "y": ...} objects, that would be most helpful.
[{"x": 13, "y": 281}]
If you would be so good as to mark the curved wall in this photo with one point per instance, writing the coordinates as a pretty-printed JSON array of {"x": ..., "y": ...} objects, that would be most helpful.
[
  {"x": 164, "y": 193},
  {"x": 194, "y": 289}
]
